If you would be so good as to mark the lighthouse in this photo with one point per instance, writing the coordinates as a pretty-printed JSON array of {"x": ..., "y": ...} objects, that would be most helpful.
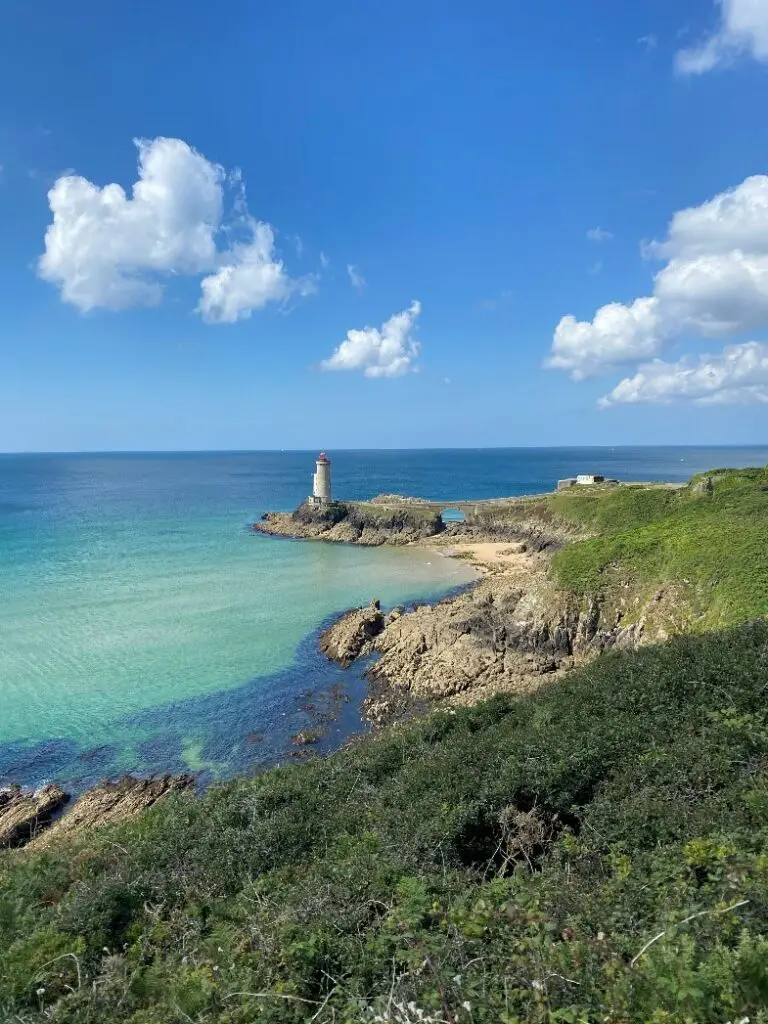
[{"x": 321, "y": 481}]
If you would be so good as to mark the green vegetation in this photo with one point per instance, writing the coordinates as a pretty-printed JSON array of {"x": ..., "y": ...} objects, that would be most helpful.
[
  {"x": 411, "y": 512},
  {"x": 710, "y": 544},
  {"x": 595, "y": 852}
]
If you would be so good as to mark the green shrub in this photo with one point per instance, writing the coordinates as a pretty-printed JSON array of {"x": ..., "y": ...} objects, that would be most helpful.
[{"x": 508, "y": 862}]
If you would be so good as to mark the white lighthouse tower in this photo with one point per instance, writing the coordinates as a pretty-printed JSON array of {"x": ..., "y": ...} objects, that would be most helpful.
[{"x": 321, "y": 481}]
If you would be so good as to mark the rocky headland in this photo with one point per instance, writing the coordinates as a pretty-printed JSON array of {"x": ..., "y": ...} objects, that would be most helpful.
[
  {"x": 371, "y": 524},
  {"x": 511, "y": 631}
]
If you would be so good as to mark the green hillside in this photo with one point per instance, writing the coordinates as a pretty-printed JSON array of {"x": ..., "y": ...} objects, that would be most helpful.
[
  {"x": 713, "y": 546},
  {"x": 595, "y": 852}
]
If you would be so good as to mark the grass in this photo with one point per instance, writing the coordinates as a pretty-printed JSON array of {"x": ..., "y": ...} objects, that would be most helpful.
[
  {"x": 711, "y": 544},
  {"x": 594, "y": 852}
]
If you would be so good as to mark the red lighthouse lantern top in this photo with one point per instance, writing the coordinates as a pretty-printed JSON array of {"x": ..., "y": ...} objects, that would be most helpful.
[{"x": 322, "y": 457}]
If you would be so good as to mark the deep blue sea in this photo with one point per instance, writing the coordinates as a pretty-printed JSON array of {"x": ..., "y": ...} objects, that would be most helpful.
[{"x": 144, "y": 628}]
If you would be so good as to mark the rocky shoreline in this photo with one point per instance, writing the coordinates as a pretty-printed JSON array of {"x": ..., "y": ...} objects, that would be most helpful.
[
  {"x": 511, "y": 631},
  {"x": 33, "y": 818},
  {"x": 369, "y": 525}
]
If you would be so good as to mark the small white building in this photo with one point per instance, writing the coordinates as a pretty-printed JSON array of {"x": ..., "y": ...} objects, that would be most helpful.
[
  {"x": 582, "y": 480},
  {"x": 321, "y": 482}
]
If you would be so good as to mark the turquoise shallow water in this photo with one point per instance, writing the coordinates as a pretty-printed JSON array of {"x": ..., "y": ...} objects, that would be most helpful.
[
  {"x": 132, "y": 588},
  {"x": 124, "y": 618},
  {"x": 144, "y": 628}
]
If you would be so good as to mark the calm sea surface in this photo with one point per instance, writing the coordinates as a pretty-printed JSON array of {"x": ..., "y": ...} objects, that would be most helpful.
[{"x": 143, "y": 628}]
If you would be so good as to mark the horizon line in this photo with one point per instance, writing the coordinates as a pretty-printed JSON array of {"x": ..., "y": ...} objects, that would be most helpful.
[{"x": 304, "y": 451}]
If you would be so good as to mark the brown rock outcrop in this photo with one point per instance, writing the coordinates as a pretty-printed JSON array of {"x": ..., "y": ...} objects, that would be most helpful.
[
  {"x": 353, "y": 524},
  {"x": 307, "y": 737},
  {"x": 510, "y": 632},
  {"x": 111, "y": 802},
  {"x": 349, "y": 636},
  {"x": 23, "y": 815},
  {"x": 30, "y": 819}
]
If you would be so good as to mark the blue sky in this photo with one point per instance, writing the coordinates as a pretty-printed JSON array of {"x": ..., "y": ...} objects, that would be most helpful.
[{"x": 383, "y": 225}]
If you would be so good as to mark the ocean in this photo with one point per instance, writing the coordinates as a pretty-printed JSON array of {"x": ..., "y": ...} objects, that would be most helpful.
[{"x": 144, "y": 628}]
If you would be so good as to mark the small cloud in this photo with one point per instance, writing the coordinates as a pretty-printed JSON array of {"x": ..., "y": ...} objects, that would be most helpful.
[
  {"x": 324, "y": 261},
  {"x": 599, "y": 235},
  {"x": 299, "y": 246},
  {"x": 446, "y": 380},
  {"x": 650, "y": 42},
  {"x": 596, "y": 268},
  {"x": 48, "y": 178},
  {"x": 386, "y": 351},
  {"x": 357, "y": 279},
  {"x": 738, "y": 375}
]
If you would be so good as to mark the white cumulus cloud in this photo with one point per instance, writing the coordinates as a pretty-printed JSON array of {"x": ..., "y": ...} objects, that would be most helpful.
[
  {"x": 356, "y": 278},
  {"x": 618, "y": 334},
  {"x": 249, "y": 277},
  {"x": 107, "y": 249},
  {"x": 386, "y": 351},
  {"x": 743, "y": 29},
  {"x": 739, "y": 374},
  {"x": 714, "y": 283}
]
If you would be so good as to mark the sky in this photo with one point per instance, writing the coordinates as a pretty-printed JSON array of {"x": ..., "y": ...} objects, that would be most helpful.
[{"x": 259, "y": 225}]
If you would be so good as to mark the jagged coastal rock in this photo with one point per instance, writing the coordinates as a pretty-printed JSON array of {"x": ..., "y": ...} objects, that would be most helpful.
[
  {"x": 353, "y": 634},
  {"x": 368, "y": 524},
  {"x": 29, "y": 819},
  {"x": 511, "y": 632},
  {"x": 23, "y": 815}
]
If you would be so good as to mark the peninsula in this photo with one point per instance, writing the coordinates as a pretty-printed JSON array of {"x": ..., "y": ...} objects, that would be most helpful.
[{"x": 525, "y": 621}]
